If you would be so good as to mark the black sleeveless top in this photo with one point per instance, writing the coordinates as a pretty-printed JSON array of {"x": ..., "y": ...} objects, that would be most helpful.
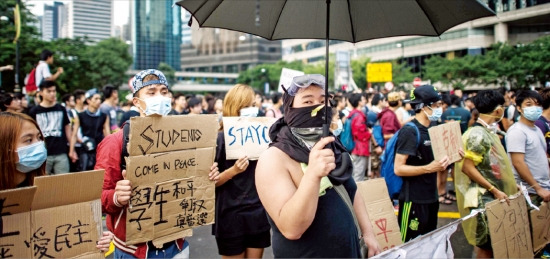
[
  {"x": 239, "y": 211},
  {"x": 332, "y": 233}
]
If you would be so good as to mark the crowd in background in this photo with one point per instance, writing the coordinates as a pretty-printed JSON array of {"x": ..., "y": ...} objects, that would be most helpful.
[{"x": 506, "y": 138}]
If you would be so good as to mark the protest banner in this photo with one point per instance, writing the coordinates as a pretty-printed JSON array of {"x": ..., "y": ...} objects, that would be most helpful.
[
  {"x": 380, "y": 210},
  {"x": 436, "y": 244},
  {"x": 59, "y": 217},
  {"x": 540, "y": 225},
  {"x": 509, "y": 228},
  {"x": 446, "y": 140},
  {"x": 246, "y": 136},
  {"x": 171, "y": 192},
  {"x": 287, "y": 75}
]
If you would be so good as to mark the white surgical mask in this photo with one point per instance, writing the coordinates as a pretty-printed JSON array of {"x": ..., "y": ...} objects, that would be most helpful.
[
  {"x": 338, "y": 130},
  {"x": 436, "y": 114},
  {"x": 157, "y": 105},
  {"x": 249, "y": 112}
]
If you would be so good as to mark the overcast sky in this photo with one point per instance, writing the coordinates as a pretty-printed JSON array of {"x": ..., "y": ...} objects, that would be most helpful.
[{"x": 122, "y": 8}]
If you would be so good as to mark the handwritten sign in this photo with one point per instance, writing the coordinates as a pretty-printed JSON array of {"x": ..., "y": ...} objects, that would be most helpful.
[
  {"x": 155, "y": 134},
  {"x": 509, "y": 228},
  {"x": 446, "y": 141},
  {"x": 540, "y": 224},
  {"x": 171, "y": 192},
  {"x": 53, "y": 226},
  {"x": 380, "y": 210},
  {"x": 246, "y": 136}
]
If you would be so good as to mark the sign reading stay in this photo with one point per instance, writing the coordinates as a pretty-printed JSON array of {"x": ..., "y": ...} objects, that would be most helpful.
[
  {"x": 246, "y": 136},
  {"x": 446, "y": 140},
  {"x": 169, "y": 162}
]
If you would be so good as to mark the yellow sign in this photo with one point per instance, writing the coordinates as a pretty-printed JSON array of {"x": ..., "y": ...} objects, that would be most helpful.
[{"x": 379, "y": 72}]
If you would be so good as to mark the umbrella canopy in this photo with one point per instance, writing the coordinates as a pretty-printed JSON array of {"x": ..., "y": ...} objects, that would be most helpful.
[
  {"x": 350, "y": 20},
  {"x": 345, "y": 20}
]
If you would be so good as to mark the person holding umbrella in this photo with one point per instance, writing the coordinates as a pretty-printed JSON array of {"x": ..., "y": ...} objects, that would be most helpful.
[{"x": 299, "y": 181}]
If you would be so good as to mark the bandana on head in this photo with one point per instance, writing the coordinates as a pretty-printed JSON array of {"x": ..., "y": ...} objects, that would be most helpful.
[{"x": 297, "y": 131}]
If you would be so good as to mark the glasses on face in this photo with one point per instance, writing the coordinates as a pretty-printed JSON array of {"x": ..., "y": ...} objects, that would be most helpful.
[{"x": 304, "y": 81}]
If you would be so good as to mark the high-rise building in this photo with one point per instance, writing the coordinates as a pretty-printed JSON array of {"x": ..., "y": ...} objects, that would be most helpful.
[
  {"x": 225, "y": 51},
  {"x": 185, "y": 28},
  {"x": 89, "y": 18},
  {"x": 156, "y": 33},
  {"x": 48, "y": 23}
]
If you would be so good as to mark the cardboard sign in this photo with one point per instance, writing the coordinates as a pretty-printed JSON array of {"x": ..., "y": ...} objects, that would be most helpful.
[
  {"x": 540, "y": 224},
  {"x": 155, "y": 134},
  {"x": 380, "y": 210},
  {"x": 59, "y": 217},
  {"x": 509, "y": 228},
  {"x": 446, "y": 141},
  {"x": 287, "y": 75},
  {"x": 246, "y": 136},
  {"x": 171, "y": 192}
]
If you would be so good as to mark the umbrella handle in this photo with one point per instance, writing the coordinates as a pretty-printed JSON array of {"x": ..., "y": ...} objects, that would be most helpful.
[
  {"x": 326, "y": 129},
  {"x": 346, "y": 160}
]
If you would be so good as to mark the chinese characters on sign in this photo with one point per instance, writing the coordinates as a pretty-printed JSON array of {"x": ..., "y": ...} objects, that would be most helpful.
[{"x": 446, "y": 140}]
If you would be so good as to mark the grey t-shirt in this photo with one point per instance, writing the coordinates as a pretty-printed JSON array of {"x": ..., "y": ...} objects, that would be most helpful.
[
  {"x": 521, "y": 138},
  {"x": 111, "y": 112}
]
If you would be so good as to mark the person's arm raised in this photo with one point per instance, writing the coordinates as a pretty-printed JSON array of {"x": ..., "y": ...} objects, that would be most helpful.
[{"x": 292, "y": 208}]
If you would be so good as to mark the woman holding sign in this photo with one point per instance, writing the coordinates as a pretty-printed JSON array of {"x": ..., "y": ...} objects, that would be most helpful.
[
  {"x": 25, "y": 156},
  {"x": 241, "y": 227}
]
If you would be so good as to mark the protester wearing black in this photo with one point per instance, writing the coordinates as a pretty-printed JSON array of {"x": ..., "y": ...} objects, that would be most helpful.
[{"x": 414, "y": 162}]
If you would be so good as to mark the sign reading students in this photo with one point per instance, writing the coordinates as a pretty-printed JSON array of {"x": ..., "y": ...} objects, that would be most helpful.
[
  {"x": 246, "y": 136},
  {"x": 169, "y": 162}
]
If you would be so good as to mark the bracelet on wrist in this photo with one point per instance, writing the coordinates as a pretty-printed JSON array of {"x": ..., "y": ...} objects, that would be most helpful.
[{"x": 492, "y": 187}]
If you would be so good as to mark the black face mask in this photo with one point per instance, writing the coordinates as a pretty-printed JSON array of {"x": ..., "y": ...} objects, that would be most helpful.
[{"x": 306, "y": 117}]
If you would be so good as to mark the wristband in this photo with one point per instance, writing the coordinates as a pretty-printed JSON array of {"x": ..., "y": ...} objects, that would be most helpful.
[
  {"x": 115, "y": 201},
  {"x": 490, "y": 189}
]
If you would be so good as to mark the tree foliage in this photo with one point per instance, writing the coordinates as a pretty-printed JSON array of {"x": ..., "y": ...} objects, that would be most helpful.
[
  {"x": 517, "y": 66},
  {"x": 85, "y": 63},
  {"x": 168, "y": 71}
]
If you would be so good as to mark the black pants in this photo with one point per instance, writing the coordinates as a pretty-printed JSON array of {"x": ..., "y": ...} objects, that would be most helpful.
[
  {"x": 87, "y": 160},
  {"x": 416, "y": 219}
]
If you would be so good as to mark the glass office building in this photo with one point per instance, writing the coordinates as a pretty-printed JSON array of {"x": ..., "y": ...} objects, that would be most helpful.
[{"x": 156, "y": 33}]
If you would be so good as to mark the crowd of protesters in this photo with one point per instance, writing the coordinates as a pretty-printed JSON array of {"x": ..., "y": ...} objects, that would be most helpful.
[{"x": 505, "y": 139}]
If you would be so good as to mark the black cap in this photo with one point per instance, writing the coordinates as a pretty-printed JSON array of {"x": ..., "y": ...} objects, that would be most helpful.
[{"x": 425, "y": 94}]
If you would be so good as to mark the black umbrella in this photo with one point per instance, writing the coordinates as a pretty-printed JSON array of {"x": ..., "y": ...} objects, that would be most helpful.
[{"x": 345, "y": 20}]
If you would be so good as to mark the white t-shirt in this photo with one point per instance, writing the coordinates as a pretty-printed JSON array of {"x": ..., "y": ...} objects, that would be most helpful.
[{"x": 42, "y": 71}]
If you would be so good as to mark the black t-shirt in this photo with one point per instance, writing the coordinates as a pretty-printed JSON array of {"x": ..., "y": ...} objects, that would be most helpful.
[
  {"x": 92, "y": 125},
  {"x": 332, "y": 234},
  {"x": 52, "y": 122},
  {"x": 238, "y": 208},
  {"x": 126, "y": 116},
  {"x": 422, "y": 188}
]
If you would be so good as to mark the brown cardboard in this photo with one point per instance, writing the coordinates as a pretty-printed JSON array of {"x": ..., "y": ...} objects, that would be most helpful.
[
  {"x": 54, "y": 226},
  {"x": 540, "y": 225},
  {"x": 171, "y": 193},
  {"x": 157, "y": 134},
  {"x": 380, "y": 210},
  {"x": 446, "y": 140},
  {"x": 246, "y": 136},
  {"x": 509, "y": 228}
]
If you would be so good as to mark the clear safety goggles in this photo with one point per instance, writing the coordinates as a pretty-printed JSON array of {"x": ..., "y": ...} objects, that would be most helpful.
[{"x": 304, "y": 81}]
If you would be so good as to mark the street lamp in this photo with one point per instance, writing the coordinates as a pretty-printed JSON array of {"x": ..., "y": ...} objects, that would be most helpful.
[{"x": 402, "y": 46}]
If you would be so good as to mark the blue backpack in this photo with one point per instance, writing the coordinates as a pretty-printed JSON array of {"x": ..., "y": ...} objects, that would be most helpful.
[
  {"x": 393, "y": 181},
  {"x": 346, "y": 137}
]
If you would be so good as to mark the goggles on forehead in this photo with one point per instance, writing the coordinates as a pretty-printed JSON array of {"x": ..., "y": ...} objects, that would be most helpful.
[{"x": 304, "y": 81}]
